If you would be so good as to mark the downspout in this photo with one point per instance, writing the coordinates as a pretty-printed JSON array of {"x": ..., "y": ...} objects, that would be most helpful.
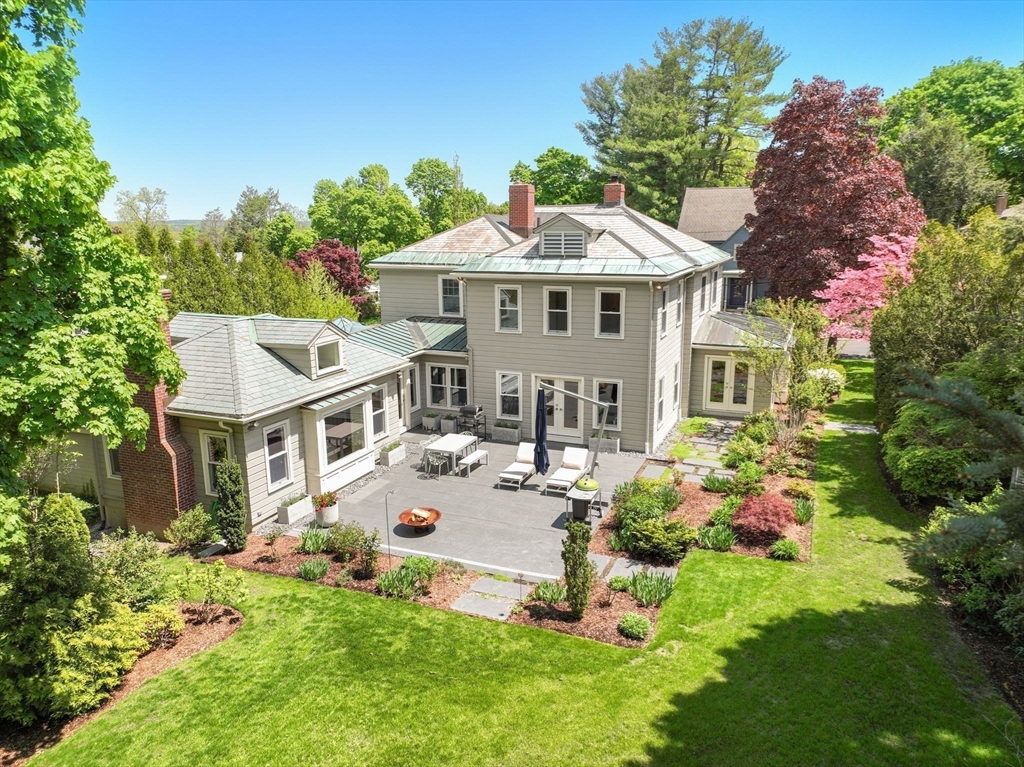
[{"x": 650, "y": 369}]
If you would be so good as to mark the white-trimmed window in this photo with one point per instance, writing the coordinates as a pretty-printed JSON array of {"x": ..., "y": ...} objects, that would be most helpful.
[
  {"x": 379, "y": 411},
  {"x": 328, "y": 356},
  {"x": 507, "y": 301},
  {"x": 679, "y": 303},
  {"x": 610, "y": 310},
  {"x": 703, "y": 292},
  {"x": 675, "y": 385},
  {"x": 661, "y": 400},
  {"x": 278, "y": 456},
  {"x": 449, "y": 386},
  {"x": 344, "y": 432},
  {"x": 449, "y": 296},
  {"x": 216, "y": 449},
  {"x": 510, "y": 396},
  {"x": 414, "y": 389},
  {"x": 568, "y": 244},
  {"x": 610, "y": 392},
  {"x": 558, "y": 311},
  {"x": 113, "y": 461},
  {"x": 714, "y": 290},
  {"x": 663, "y": 312}
]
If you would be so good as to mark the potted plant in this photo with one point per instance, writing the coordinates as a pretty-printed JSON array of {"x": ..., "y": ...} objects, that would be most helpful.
[
  {"x": 392, "y": 454},
  {"x": 326, "y": 508},
  {"x": 609, "y": 443},
  {"x": 430, "y": 421},
  {"x": 506, "y": 431},
  {"x": 449, "y": 423},
  {"x": 293, "y": 509}
]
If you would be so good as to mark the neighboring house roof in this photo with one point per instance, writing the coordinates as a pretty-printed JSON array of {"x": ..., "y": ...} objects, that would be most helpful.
[
  {"x": 348, "y": 326},
  {"x": 733, "y": 329},
  {"x": 714, "y": 214},
  {"x": 622, "y": 243},
  {"x": 1014, "y": 211},
  {"x": 230, "y": 375},
  {"x": 454, "y": 247},
  {"x": 415, "y": 334}
]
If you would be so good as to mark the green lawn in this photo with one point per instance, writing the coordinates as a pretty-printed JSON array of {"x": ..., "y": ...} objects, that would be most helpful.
[
  {"x": 845, "y": 660},
  {"x": 857, "y": 403}
]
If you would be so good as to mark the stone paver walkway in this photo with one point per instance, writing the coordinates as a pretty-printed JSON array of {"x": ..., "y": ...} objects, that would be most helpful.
[
  {"x": 855, "y": 428},
  {"x": 709, "y": 449}
]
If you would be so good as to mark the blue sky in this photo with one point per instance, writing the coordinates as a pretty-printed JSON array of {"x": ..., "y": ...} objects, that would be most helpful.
[{"x": 202, "y": 99}]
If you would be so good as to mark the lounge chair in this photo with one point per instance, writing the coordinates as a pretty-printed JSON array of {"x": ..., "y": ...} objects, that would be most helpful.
[
  {"x": 520, "y": 471},
  {"x": 574, "y": 466}
]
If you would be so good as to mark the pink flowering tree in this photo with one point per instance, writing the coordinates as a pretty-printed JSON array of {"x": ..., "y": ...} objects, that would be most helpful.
[{"x": 853, "y": 296}]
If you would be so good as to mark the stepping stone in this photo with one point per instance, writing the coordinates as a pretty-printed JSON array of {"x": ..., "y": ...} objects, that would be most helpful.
[
  {"x": 210, "y": 551},
  {"x": 625, "y": 567},
  {"x": 671, "y": 572},
  {"x": 693, "y": 478},
  {"x": 684, "y": 468},
  {"x": 474, "y": 604},
  {"x": 703, "y": 471},
  {"x": 853, "y": 428},
  {"x": 703, "y": 462},
  {"x": 724, "y": 473},
  {"x": 496, "y": 588},
  {"x": 705, "y": 441},
  {"x": 600, "y": 562},
  {"x": 653, "y": 471}
]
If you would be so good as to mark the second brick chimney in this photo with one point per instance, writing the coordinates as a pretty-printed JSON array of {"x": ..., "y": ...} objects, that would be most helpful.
[
  {"x": 614, "y": 192},
  {"x": 521, "y": 217},
  {"x": 1001, "y": 202},
  {"x": 161, "y": 479}
]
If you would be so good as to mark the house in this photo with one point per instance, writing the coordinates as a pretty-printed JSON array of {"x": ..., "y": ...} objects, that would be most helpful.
[{"x": 716, "y": 216}]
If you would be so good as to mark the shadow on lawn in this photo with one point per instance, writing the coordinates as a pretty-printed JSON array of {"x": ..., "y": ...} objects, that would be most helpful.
[
  {"x": 857, "y": 404},
  {"x": 870, "y": 686}
]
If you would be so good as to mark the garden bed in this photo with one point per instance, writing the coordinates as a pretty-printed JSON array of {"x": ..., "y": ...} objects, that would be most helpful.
[{"x": 19, "y": 744}]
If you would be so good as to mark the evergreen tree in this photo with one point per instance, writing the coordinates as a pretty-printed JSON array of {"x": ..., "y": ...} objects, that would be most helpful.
[
  {"x": 145, "y": 242},
  {"x": 166, "y": 250},
  {"x": 322, "y": 300},
  {"x": 231, "y": 504},
  {"x": 579, "y": 572}
]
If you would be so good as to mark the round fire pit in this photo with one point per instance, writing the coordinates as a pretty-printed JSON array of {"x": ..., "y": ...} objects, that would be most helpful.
[{"x": 418, "y": 522}]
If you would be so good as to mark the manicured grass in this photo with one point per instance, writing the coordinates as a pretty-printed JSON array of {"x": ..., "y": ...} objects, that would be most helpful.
[
  {"x": 681, "y": 451},
  {"x": 857, "y": 402},
  {"x": 845, "y": 660}
]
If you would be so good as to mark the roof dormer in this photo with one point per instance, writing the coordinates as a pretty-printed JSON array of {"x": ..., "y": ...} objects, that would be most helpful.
[
  {"x": 564, "y": 237},
  {"x": 314, "y": 347}
]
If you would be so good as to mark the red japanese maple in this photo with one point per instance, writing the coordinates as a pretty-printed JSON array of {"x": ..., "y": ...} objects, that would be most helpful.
[
  {"x": 763, "y": 519},
  {"x": 852, "y": 297},
  {"x": 342, "y": 264},
  {"x": 822, "y": 190}
]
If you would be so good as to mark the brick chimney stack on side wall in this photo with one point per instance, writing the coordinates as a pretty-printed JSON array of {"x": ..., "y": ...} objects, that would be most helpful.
[
  {"x": 159, "y": 480},
  {"x": 521, "y": 217}
]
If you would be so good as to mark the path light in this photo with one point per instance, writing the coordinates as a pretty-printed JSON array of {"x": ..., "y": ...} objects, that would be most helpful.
[
  {"x": 520, "y": 587},
  {"x": 387, "y": 522}
]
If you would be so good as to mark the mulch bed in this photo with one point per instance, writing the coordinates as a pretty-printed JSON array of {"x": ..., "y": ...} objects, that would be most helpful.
[
  {"x": 599, "y": 622},
  {"x": 19, "y": 744}
]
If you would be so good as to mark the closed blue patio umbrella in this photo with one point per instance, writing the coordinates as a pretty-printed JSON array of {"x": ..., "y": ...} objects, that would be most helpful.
[{"x": 540, "y": 431}]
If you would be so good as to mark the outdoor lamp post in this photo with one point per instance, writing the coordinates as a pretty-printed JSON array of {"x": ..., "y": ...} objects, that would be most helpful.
[{"x": 387, "y": 521}]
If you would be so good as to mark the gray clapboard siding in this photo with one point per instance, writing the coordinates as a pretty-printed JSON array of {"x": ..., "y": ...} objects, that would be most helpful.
[
  {"x": 762, "y": 391},
  {"x": 263, "y": 503},
  {"x": 190, "y": 428},
  {"x": 668, "y": 352},
  {"x": 409, "y": 292}
]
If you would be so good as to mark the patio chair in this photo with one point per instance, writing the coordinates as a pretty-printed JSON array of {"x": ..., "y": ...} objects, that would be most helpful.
[
  {"x": 436, "y": 461},
  {"x": 423, "y": 445},
  {"x": 476, "y": 439},
  {"x": 574, "y": 466},
  {"x": 520, "y": 470}
]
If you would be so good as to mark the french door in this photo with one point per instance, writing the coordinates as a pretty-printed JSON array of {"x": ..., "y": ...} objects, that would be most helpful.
[
  {"x": 728, "y": 385},
  {"x": 564, "y": 413}
]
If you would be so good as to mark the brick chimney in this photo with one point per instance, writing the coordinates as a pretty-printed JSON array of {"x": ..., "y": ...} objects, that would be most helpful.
[
  {"x": 521, "y": 217},
  {"x": 159, "y": 480},
  {"x": 1001, "y": 202},
  {"x": 614, "y": 192}
]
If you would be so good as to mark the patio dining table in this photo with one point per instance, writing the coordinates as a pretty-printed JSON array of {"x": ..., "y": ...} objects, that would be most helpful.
[{"x": 454, "y": 446}]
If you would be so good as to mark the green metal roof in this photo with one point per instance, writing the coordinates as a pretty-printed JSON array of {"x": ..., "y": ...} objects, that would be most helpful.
[
  {"x": 427, "y": 258},
  {"x": 338, "y": 399},
  {"x": 415, "y": 334}
]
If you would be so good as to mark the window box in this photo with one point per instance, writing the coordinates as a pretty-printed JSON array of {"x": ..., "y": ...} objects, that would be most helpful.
[
  {"x": 430, "y": 421},
  {"x": 294, "y": 509},
  {"x": 392, "y": 454},
  {"x": 507, "y": 433},
  {"x": 607, "y": 444},
  {"x": 449, "y": 424}
]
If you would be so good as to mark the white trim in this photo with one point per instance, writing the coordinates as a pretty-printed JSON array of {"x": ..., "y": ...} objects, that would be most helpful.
[
  {"x": 440, "y": 296},
  {"x": 679, "y": 303},
  {"x": 106, "y": 461},
  {"x": 676, "y": 386},
  {"x": 203, "y": 434},
  {"x": 663, "y": 313},
  {"x": 497, "y": 308},
  {"x": 497, "y": 381},
  {"x": 377, "y": 436},
  {"x": 702, "y": 290},
  {"x": 597, "y": 312},
  {"x": 321, "y": 435},
  {"x": 290, "y": 476},
  {"x": 597, "y": 414},
  {"x": 714, "y": 291},
  {"x": 726, "y": 405},
  {"x": 447, "y": 404},
  {"x": 559, "y": 381},
  {"x": 548, "y": 248},
  {"x": 660, "y": 402},
  {"x": 413, "y": 383},
  {"x": 336, "y": 343},
  {"x": 568, "y": 307}
]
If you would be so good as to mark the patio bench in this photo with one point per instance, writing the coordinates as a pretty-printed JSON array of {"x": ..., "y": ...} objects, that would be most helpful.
[{"x": 473, "y": 458}]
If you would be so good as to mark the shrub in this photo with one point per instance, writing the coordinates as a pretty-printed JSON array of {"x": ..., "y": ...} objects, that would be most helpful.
[
  {"x": 716, "y": 537},
  {"x": 638, "y": 509},
  {"x": 763, "y": 519},
  {"x": 804, "y": 511},
  {"x": 660, "y": 540},
  {"x": 761, "y": 427},
  {"x": 272, "y": 536},
  {"x": 723, "y": 514},
  {"x": 209, "y": 586},
  {"x": 662, "y": 492},
  {"x": 344, "y": 540},
  {"x": 618, "y": 583},
  {"x": 801, "y": 469},
  {"x": 831, "y": 378},
  {"x": 784, "y": 548},
  {"x": 634, "y": 626},
  {"x": 312, "y": 540},
  {"x": 231, "y": 496},
  {"x": 798, "y": 488},
  {"x": 747, "y": 480},
  {"x": 313, "y": 569},
  {"x": 425, "y": 568},
  {"x": 617, "y": 541},
  {"x": 162, "y": 624},
  {"x": 400, "y": 583},
  {"x": 551, "y": 592},
  {"x": 778, "y": 463},
  {"x": 714, "y": 483},
  {"x": 128, "y": 565},
  {"x": 741, "y": 449},
  {"x": 579, "y": 572},
  {"x": 650, "y": 588},
  {"x": 190, "y": 529},
  {"x": 369, "y": 554}
]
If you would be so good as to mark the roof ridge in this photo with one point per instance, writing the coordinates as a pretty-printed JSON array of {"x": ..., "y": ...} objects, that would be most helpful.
[
  {"x": 236, "y": 391},
  {"x": 638, "y": 218},
  {"x": 492, "y": 220}
]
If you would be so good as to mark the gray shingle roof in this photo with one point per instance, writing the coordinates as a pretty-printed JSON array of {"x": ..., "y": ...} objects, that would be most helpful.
[
  {"x": 416, "y": 334},
  {"x": 714, "y": 214},
  {"x": 731, "y": 329},
  {"x": 230, "y": 375},
  {"x": 473, "y": 239}
]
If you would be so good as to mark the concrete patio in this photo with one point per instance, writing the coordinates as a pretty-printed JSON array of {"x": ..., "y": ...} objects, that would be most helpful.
[{"x": 483, "y": 526}]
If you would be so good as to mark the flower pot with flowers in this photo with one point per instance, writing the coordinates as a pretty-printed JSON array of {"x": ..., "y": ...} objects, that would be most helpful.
[{"x": 326, "y": 508}]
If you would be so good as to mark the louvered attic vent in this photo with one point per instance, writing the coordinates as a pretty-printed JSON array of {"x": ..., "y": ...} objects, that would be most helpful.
[{"x": 562, "y": 244}]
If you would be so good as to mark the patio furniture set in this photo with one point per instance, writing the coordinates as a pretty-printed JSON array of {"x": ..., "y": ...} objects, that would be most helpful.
[{"x": 453, "y": 451}]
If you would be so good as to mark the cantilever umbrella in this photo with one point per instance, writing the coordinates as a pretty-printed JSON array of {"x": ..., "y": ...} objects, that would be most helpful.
[{"x": 540, "y": 430}]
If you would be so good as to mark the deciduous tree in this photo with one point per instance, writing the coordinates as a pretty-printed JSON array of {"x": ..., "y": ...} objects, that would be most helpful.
[
  {"x": 560, "y": 178},
  {"x": 821, "y": 190},
  {"x": 342, "y": 265},
  {"x": 142, "y": 207}
]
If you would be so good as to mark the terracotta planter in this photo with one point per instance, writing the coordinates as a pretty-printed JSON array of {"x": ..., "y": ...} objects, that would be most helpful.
[{"x": 327, "y": 516}]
